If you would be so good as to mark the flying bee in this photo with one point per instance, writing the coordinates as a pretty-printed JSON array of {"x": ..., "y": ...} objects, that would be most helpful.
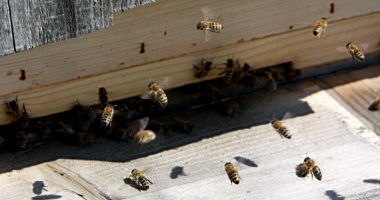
[
  {"x": 140, "y": 179},
  {"x": 232, "y": 173},
  {"x": 309, "y": 166},
  {"x": 203, "y": 70},
  {"x": 145, "y": 136},
  {"x": 208, "y": 25},
  {"x": 355, "y": 51},
  {"x": 375, "y": 105},
  {"x": 228, "y": 71},
  {"x": 319, "y": 28},
  {"x": 157, "y": 94},
  {"x": 182, "y": 125},
  {"x": 281, "y": 128}
]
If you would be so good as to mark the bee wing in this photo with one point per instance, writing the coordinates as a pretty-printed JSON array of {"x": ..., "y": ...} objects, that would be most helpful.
[
  {"x": 287, "y": 115},
  {"x": 364, "y": 46},
  {"x": 139, "y": 124},
  {"x": 207, "y": 36},
  {"x": 164, "y": 83},
  {"x": 341, "y": 49},
  {"x": 207, "y": 13}
]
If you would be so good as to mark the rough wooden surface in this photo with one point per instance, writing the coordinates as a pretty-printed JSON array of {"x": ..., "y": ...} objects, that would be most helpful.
[
  {"x": 53, "y": 89},
  {"x": 346, "y": 150},
  {"x": 355, "y": 89},
  {"x": 32, "y": 23},
  {"x": 123, "y": 5}
]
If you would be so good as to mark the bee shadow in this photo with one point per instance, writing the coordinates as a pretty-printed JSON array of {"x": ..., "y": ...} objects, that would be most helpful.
[
  {"x": 177, "y": 171},
  {"x": 46, "y": 197},
  {"x": 246, "y": 161},
  {"x": 333, "y": 195},
  {"x": 374, "y": 181},
  {"x": 133, "y": 184},
  {"x": 38, "y": 186}
]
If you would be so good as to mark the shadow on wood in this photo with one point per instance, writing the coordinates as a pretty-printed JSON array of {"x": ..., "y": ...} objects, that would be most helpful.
[
  {"x": 176, "y": 172},
  {"x": 374, "y": 181},
  {"x": 133, "y": 184},
  {"x": 333, "y": 195},
  {"x": 246, "y": 161},
  {"x": 46, "y": 197}
]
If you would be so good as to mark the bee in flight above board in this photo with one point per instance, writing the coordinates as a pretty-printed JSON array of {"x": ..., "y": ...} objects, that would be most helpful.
[
  {"x": 355, "y": 50},
  {"x": 319, "y": 29},
  {"x": 156, "y": 92},
  {"x": 208, "y": 25}
]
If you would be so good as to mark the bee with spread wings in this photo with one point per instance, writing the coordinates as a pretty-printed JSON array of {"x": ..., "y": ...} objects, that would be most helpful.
[
  {"x": 356, "y": 51},
  {"x": 156, "y": 92},
  {"x": 207, "y": 24}
]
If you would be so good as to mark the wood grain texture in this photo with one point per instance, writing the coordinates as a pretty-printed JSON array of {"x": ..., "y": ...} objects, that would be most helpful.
[
  {"x": 38, "y": 22},
  {"x": 321, "y": 128},
  {"x": 123, "y": 5},
  {"x": 357, "y": 90},
  {"x": 6, "y": 36},
  {"x": 42, "y": 97}
]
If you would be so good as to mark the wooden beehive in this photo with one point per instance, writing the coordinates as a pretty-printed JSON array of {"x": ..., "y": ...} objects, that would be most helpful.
[
  {"x": 58, "y": 74},
  {"x": 334, "y": 125}
]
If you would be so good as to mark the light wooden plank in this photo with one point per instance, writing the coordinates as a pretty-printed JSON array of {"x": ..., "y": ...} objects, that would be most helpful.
[
  {"x": 297, "y": 46},
  {"x": 357, "y": 90},
  {"x": 323, "y": 130},
  {"x": 119, "y": 46}
]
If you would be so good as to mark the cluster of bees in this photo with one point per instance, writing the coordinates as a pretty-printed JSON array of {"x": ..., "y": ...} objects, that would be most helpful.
[{"x": 117, "y": 122}]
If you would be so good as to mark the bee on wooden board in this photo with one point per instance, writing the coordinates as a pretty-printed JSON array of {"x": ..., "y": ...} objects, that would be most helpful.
[
  {"x": 85, "y": 116},
  {"x": 182, "y": 125},
  {"x": 230, "y": 107},
  {"x": 279, "y": 126},
  {"x": 355, "y": 50},
  {"x": 203, "y": 69},
  {"x": 232, "y": 173},
  {"x": 145, "y": 136},
  {"x": 309, "y": 166},
  {"x": 13, "y": 109},
  {"x": 243, "y": 75},
  {"x": 228, "y": 71},
  {"x": 319, "y": 29},
  {"x": 208, "y": 25},
  {"x": 271, "y": 81},
  {"x": 157, "y": 93},
  {"x": 140, "y": 179},
  {"x": 108, "y": 109},
  {"x": 375, "y": 106},
  {"x": 130, "y": 129}
]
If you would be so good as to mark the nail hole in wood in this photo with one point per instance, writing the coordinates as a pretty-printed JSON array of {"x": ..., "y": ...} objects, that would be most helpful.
[
  {"x": 332, "y": 8},
  {"x": 290, "y": 27},
  {"x": 22, "y": 75},
  {"x": 142, "y": 48}
]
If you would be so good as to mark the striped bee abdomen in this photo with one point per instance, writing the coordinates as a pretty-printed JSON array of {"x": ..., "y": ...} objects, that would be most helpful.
[{"x": 317, "y": 172}]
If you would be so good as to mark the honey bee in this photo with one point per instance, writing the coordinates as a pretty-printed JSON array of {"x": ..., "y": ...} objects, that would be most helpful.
[
  {"x": 271, "y": 81},
  {"x": 182, "y": 125},
  {"x": 375, "y": 105},
  {"x": 158, "y": 94},
  {"x": 140, "y": 179},
  {"x": 309, "y": 166},
  {"x": 230, "y": 107},
  {"x": 203, "y": 70},
  {"x": 13, "y": 109},
  {"x": 228, "y": 71},
  {"x": 131, "y": 129},
  {"x": 208, "y": 25},
  {"x": 232, "y": 173},
  {"x": 145, "y": 136},
  {"x": 84, "y": 139},
  {"x": 319, "y": 28},
  {"x": 281, "y": 129},
  {"x": 355, "y": 52},
  {"x": 102, "y": 96},
  {"x": 85, "y": 116},
  {"x": 159, "y": 126},
  {"x": 107, "y": 116},
  {"x": 243, "y": 75}
]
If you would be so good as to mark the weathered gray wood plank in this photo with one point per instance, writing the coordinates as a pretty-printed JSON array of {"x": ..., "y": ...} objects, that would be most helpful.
[
  {"x": 6, "y": 37},
  {"x": 123, "y": 5},
  {"x": 39, "y": 22}
]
